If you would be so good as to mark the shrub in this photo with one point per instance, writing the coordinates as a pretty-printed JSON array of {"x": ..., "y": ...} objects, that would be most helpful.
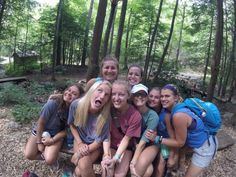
[{"x": 24, "y": 113}]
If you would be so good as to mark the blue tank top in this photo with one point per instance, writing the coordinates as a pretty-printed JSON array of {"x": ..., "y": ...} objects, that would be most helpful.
[
  {"x": 196, "y": 135},
  {"x": 161, "y": 128}
]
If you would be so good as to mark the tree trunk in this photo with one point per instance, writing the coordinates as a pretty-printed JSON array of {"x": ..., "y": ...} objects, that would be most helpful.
[
  {"x": 84, "y": 55},
  {"x": 180, "y": 38},
  {"x": 111, "y": 36},
  {"x": 93, "y": 69},
  {"x": 56, "y": 38},
  {"x": 168, "y": 41},
  {"x": 208, "y": 50},
  {"x": 109, "y": 26},
  {"x": 120, "y": 30},
  {"x": 2, "y": 8},
  {"x": 152, "y": 40},
  {"x": 127, "y": 42},
  {"x": 215, "y": 63},
  {"x": 232, "y": 58}
]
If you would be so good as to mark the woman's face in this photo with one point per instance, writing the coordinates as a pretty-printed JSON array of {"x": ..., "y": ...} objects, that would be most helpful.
[
  {"x": 119, "y": 96},
  {"x": 100, "y": 97},
  {"x": 140, "y": 99},
  {"x": 154, "y": 99},
  {"x": 71, "y": 94},
  {"x": 109, "y": 71},
  {"x": 168, "y": 99},
  {"x": 134, "y": 76}
]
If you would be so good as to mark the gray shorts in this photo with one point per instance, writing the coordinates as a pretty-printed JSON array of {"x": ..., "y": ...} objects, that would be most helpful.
[{"x": 203, "y": 155}]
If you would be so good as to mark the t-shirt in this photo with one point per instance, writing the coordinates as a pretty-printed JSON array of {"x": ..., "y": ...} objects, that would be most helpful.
[
  {"x": 128, "y": 124},
  {"x": 55, "y": 119},
  {"x": 88, "y": 133},
  {"x": 150, "y": 121}
]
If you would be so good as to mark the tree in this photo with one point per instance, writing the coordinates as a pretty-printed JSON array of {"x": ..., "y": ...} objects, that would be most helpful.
[
  {"x": 215, "y": 63},
  {"x": 168, "y": 40},
  {"x": 121, "y": 27},
  {"x": 96, "y": 42},
  {"x": 86, "y": 34},
  {"x": 148, "y": 56},
  {"x": 109, "y": 26},
  {"x": 2, "y": 7},
  {"x": 56, "y": 43}
]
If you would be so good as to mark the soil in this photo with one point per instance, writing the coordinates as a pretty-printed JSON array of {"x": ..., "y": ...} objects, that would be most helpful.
[{"x": 13, "y": 138}]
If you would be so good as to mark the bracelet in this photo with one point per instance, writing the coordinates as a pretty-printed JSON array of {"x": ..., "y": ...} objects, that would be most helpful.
[
  {"x": 157, "y": 140},
  {"x": 117, "y": 156},
  {"x": 160, "y": 140}
]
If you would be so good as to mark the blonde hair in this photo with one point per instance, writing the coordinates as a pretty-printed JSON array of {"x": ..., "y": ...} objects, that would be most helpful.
[
  {"x": 124, "y": 83},
  {"x": 82, "y": 110}
]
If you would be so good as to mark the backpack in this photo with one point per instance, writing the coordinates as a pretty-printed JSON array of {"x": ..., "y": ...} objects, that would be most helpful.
[{"x": 207, "y": 111}]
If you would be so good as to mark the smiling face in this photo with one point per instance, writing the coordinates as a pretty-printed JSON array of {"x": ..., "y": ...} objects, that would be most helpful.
[
  {"x": 154, "y": 99},
  {"x": 134, "y": 75},
  {"x": 100, "y": 97},
  {"x": 168, "y": 98},
  {"x": 71, "y": 94},
  {"x": 120, "y": 96},
  {"x": 109, "y": 70},
  {"x": 140, "y": 99}
]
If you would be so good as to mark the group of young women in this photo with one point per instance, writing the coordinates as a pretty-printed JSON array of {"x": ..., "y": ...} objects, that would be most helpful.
[{"x": 125, "y": 124}]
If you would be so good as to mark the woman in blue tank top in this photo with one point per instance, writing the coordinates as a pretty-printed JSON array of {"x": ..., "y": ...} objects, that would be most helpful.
[{"x": 189, "y": 130}]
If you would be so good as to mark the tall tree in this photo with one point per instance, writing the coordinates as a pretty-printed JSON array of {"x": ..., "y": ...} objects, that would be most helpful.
[
  {"x": 56, "y": 44},
  {"x": 208, "y": 48},
  {"x": 2, "y": 8},
  {"x": 152, "y": 40},
  {"x": 84, "y": 55},
  {"x": 93, "y": 69},
  {"x": 109, "y": 26},
  {"x": 121, "y": 27},
  {"x": 180, "y": 37},
  {"x": 215, "y": 63},
  {"x": 168, "y": 40}
]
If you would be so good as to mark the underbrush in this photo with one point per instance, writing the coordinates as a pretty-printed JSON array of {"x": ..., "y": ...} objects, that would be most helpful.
[{"x": 27, "y": 98}]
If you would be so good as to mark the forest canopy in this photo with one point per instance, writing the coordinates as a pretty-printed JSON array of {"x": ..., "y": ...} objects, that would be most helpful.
[{"x": 161, "y": 36}]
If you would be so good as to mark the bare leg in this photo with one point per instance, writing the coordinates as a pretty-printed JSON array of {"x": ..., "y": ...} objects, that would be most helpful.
[
  {"x": 84, "y": 166},
  {"x": 193, "y": 171},
  {"x": 121, "y": 169},
  {"x": 160, "y": 168},
  {"x": 51, "y": 152},
  {"x": 31, "y": 151},
  {"x": 145, "y": 160}
]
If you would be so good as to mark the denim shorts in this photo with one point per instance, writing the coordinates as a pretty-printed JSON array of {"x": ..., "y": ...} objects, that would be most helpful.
[{"x": 203, "y": 155}]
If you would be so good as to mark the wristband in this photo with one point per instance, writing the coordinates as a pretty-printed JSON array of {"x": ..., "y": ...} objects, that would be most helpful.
[
  {"x": 157, "y": 140},
  {"x": 160, "y": 140},
  {"x": 117, "y": 156}
]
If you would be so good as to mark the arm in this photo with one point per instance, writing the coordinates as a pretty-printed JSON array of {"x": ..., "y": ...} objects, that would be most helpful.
[
  {"x": 138, "y": 151},
  {"x": 75, "y": 134},
  {"x": 170, "y": 129}
]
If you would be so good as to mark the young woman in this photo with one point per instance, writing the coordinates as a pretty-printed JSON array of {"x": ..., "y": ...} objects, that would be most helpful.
[
  {"x": 125, "y": 127},
  {"x": 89, "y": 123},
  {"x": 189, "y": 130},
  {"x": 53, "y": 120},
  {"x": 109, "y": 71},
  {"x": 141, "y": 164},
  {"x": 134, "y": 75},
  {"x": 167, "y": 157}
]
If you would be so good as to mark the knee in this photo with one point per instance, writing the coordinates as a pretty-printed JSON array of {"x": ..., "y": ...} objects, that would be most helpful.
[
  {"x": 85, "y": 169},
  {"x": 50, "y": 160},
  {"x": 29, "y": 155}
]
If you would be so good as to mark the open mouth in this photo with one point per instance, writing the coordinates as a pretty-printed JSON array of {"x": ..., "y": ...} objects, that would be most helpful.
[{"x": 98, "y": 103}]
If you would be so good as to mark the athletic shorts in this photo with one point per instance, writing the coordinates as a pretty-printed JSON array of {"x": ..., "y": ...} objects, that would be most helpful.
[{"x": 203, "y": 155}]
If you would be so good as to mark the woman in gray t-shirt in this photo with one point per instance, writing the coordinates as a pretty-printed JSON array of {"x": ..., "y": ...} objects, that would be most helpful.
[
  {"x": 47, "y": 137},
  {"x": 89, "y": 124}
]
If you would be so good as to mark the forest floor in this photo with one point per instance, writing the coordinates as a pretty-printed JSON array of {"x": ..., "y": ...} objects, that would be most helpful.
[{"x": 13, "y": 138}]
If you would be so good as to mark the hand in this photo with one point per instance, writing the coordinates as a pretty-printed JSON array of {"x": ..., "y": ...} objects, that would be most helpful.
[
  {"x": 105, "y": 161},
  {"x": 84, "y": 150},
  {"x": 151, "y": 135},
  {"x": 133, "y": 170},
  {"x": 47, "y": 141}
]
